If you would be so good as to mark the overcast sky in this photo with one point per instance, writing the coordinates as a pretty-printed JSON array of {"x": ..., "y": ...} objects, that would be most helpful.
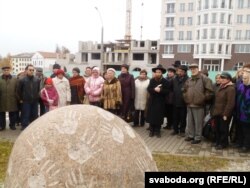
[{"x": 38, "y": 25}]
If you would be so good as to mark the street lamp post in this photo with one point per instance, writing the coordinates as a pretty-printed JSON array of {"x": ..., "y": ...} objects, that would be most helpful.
[{"x": 102, "y": 49}]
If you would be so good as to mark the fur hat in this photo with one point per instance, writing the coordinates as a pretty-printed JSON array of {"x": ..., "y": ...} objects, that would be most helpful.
[
  {"x": 125, "y": 66},
  {"x": 111, "y": 69},
  {"x": 5, "y": 63}
]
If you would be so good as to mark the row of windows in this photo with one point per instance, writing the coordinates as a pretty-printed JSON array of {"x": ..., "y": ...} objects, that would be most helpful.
[
  {"x": 182, "y": 7},
  {"x": 214, "y": 18},
  {"x": 206, "y": 4},
  {"x": 239, "y": 35},
  {"x": 21, "y": 59},
  {"x": 211, "y": 48},
  {"x": 213, "y": 34}
]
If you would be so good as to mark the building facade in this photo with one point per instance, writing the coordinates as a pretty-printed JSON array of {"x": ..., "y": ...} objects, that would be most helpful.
[
  {"x": 137, "y": 54},
  {"x": 44, "y": 60},
  {"x": 213, "y": 33},
  {"x": 20, "y": 61}
]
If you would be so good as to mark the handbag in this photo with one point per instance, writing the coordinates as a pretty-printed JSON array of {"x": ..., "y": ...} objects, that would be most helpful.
[{"x": 51, "y": 107}]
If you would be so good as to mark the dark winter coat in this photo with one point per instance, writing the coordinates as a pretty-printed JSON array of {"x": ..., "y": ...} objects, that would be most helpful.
[
  {"x": 8, "y": 97},
  {"x": 224, "y": 101},
  {"x": 170, "y": 95},
  {"x": 243, "y": 103},
  {"x": 156, "y": 101},
  {"x": 28, "y": 89},
  {"x": 178, "y": 84}
]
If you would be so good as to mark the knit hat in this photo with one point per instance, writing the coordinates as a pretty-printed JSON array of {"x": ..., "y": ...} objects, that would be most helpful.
[
  {"x": 60, "y": 71},
  {"x": 96, "y": 69},
  {"x": 226, "y": 75},
  {"x": 76, "y": 69},
  {"x": 56, "y": 66},
  {"x": 49, "y": 81},
  {"x": 5, "y": 63},
  {"x": 111, "y": 69}
]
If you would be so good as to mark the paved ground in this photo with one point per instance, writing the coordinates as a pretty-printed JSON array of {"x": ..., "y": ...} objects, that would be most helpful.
[{"x": 166, "y": 144}]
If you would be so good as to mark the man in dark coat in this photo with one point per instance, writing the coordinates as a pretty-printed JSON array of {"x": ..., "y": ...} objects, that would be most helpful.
[
  {"x": 179, "y": 106},
  {"x": 8, "y": 98},
  {"x": 128, "y": 92},
  {"x": 157, "y": 89}
]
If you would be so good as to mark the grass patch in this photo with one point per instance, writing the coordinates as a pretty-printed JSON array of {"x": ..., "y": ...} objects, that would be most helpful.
[
  {"x": 174, "y": 163},
  {"x": 5, "y": 149}
]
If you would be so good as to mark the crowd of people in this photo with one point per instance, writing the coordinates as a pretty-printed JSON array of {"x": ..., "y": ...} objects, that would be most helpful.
[{"x": 184, "y": 101}]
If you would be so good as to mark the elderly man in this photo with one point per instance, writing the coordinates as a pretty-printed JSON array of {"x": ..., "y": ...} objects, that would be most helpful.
[
  {"x": 8, "y": 99},
  {"x": 197, "y": 90}
]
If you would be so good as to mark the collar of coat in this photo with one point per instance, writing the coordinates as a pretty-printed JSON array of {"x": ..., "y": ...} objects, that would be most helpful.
[
  {"x": 6, "y": 76},
  {"x": 230, "y": 83},
  {"x": 113, "y": 81}
]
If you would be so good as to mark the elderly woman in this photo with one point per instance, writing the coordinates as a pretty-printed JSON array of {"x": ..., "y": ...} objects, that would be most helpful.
[
  {"x": 243, "y": 113},
  {"x": 223, "y": 108},
  {"x": 93, "y": 87},
  {"x": 63, "y": 88},
  {"x": 141, "y": 93},
  {"x": 77, "y": 87},
  {"x": 111, "y": 94}
]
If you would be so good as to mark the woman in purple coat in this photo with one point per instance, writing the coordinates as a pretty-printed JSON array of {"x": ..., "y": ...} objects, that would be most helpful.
[{"x": 128, "y": 92}]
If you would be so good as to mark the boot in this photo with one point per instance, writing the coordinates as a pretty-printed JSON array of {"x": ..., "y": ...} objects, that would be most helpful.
[
  {"x": 151, "y": 133},
  {"x": 158, "y": 134}
]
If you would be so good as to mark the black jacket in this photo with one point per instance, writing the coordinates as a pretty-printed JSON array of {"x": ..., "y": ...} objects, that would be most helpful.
[
  {"x": 178, "y": 84},
  {"x": 28, "y": 89}
]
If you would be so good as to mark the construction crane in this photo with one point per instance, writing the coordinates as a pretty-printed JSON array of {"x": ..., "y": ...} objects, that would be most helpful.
[{"x": 128, "y": 20}]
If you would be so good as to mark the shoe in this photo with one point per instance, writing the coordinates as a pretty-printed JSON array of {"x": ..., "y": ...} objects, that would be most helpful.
[
  {"x": 244, "y": 150},
  {"x": 148, "y": 129},
  {"x": 214, "y": 145},
  {"x": 13, "y": 128},
  {"x": 182, "y": 134},
  {"x": 167, "y": 127},
  {"x": 151, "y": 134},
  {"x": 220, "y": 147},
  {"x": 188, "y": 139},
  {"x": 174, "y": 133},
  {"x": 142, "y": 125},
  {"x": 2, "y": 128},
  {"x": 237, "y": 146},
  {"x": 22, "y": 128},
  {"x": 158, "y": 135},
  {"x": 195, "y": 141}
]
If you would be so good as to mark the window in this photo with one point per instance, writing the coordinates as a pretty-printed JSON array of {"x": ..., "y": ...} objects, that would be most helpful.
[
  {"x": 242, "y": 48},
  {"x": 170, "y": 22},
  {"x": 181, "y": 35},
  {"x": 227, "y": 49},
  {"x": 197, "y": 48},
  {"x": 223, "y": 4},
  {"x": 239, "y": 65},
  {"x": 213, "y": 31},
  {"x": 199, "y": 5},
  {"x": 184, "y": 62},
  {"x": 215, "y": 5},
  {"x": 181, "y": 21},
  {"x": 184, "y": 48},
  {"x": 198, "y": 35},
  {"x": 190, "y": 7},
  {"x": 138, "y": 56},
  {"x": 240, "y": 3},
  {"x": 204, "y": 48},
  {"x": 190, "y": 21},
  {"x": 239, "y": 18},
  {"x": 248, "y": 18},
  {"x": 238, "y": 35},
  {"x": 230, "y": 4},
  {"x": 248, "y": 3},
  {"x": 170, "y": 7},
  {"x": 169, "y": 35},
  {"x": 222, "y": 17},
  {"x": 199, "y": 20},
  {"x": 204, "y": 34},
  {"x": 228, "y": 34},
  {"x": 95, "y": 56},
  {"x": 142, "y": 44},
  {"x": 247, "y": 34},
  {"x": 182, "y": 7},
  {"x": 206, "y": 4},
  {"x": 214, "y": 16},
  {"x": 212, "y": 48},
  {"x": 189, "y": 35},
  {"x": 168, "y": 49},
  {"x": 205, "y": 21},
  {"x": 221, "y": 34},
  {"x": 220, "y": 49},
  {"x": 229, "y": 19}
]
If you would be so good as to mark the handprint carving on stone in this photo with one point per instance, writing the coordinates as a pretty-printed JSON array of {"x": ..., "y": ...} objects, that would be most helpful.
[
  {"x": 84, "y": 149},
  {"x": 70, "y": 123},
  {"x": 116, "y": 132}
]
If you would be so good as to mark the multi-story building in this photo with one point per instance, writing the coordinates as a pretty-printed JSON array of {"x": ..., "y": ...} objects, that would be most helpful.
[
  {"x": 138, "y": 54},
  {"x": 20, "y": 61},
  {"x": 44, "y": 60},
  {"x": 213, "y": 33}
]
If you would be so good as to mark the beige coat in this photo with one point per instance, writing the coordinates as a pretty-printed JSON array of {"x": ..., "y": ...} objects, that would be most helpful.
[
  {"x": 63, "y": 89},
  {"x": 141, "y": 94}
]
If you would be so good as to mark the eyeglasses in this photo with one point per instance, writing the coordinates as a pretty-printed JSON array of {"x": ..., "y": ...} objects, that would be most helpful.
[{"x": 32, "y": 70}]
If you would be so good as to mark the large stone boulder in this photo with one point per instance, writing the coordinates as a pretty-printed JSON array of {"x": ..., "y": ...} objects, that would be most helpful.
[{"x": 79, "y": 146}]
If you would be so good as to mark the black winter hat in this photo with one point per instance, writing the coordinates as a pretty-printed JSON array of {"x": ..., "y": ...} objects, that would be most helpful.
[
  {"x": 77, "y": 70},
  {"x": 226, "y": 75},
  {"x": 56, "y": 66}
]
